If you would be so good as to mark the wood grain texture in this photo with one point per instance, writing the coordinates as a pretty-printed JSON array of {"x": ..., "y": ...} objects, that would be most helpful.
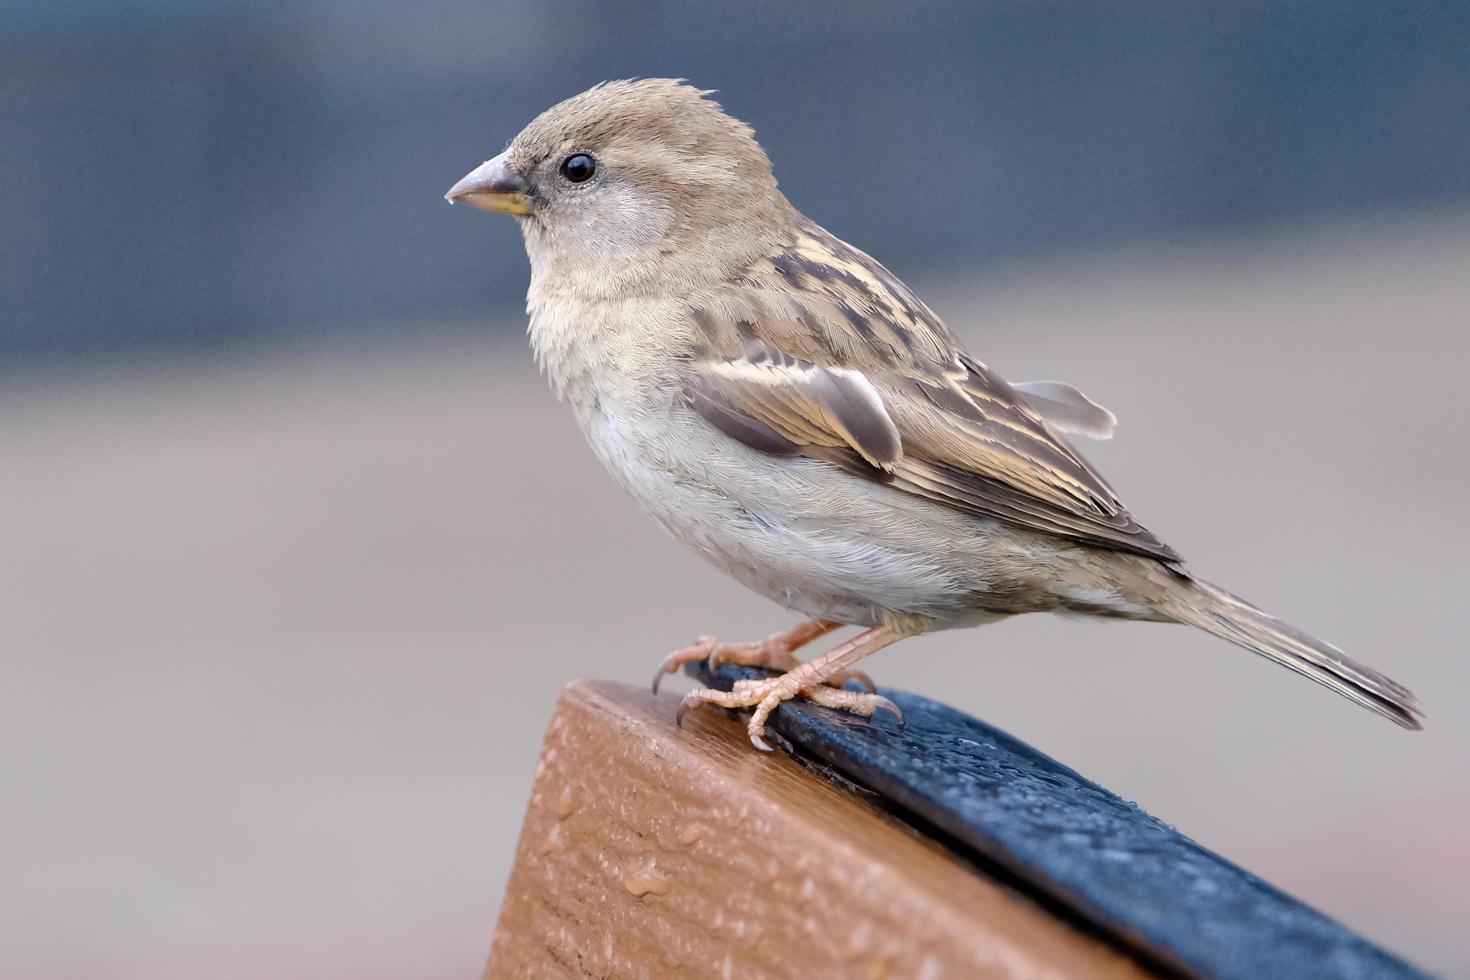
[{"x": 649, "y": 851}]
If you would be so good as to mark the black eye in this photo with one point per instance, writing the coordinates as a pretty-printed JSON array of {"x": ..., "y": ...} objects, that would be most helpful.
[{"x": 578, "y": 167}]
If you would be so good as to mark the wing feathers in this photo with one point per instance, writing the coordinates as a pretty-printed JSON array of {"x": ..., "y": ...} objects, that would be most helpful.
[
  {"x": 739, "y": 426},
  {"x": 1068, "y": 410},
  {"x": 819, "y": 350},
  {"x": 798, "y": 403}
]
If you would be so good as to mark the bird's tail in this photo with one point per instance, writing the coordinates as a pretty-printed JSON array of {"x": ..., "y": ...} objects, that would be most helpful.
[{"x": 1198, "y": 603}]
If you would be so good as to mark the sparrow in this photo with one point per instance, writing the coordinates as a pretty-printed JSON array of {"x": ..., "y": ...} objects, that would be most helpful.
[{"x": 786, "y": 407}]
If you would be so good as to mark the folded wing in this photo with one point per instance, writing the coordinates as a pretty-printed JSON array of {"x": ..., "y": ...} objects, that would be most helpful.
[{"x": 822, "y": 352}]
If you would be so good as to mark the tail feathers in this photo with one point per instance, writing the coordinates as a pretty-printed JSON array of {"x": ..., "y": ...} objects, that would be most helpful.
[{"x": 1217, "y": 611}]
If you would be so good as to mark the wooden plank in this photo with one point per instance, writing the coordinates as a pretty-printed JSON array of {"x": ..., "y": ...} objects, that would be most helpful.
[{"x": 649, "y": 851}]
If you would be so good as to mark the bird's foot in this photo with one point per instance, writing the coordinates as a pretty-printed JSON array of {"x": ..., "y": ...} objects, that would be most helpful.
[
  {"x": 767, "y": 694},
  {"x": 777, "y": 652}
]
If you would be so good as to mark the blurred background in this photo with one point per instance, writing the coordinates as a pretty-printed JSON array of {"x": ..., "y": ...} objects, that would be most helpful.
[{"x": 296, "y": 550}]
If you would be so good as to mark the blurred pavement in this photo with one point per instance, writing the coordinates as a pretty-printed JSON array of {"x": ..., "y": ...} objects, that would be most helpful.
[{"x": 280, "y": 631}]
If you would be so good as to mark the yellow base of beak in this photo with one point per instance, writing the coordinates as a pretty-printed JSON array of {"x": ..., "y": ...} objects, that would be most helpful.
[{"x": 491, "y": 201}]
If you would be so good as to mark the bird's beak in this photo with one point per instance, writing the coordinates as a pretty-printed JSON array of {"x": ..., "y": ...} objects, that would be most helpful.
[{"x": 493, "y": 186}]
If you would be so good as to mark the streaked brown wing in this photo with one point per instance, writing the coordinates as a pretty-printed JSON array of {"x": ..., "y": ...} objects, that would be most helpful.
[
  {"x": 791, "y": 404},
  {"x": 821, "y": 351}
]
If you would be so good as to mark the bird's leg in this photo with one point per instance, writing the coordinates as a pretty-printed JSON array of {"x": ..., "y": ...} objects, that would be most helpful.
[
  {"x": 777, "y": 652},
  {"x": 809, "y": 681}
]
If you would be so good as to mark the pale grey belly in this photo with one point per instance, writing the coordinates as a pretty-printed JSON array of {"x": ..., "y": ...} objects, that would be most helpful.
[{"x": 798, "y": 531}]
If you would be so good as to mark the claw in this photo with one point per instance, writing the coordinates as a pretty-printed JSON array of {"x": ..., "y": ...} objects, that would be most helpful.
[
  {"x": 880, "y": 703},
  {"x": 690, "y": 700},
  {"x": 703, "y": 645},
  {"x": 863, "y": 679},
  {"x": 759, "y": 742},
  {"x": 663, "y": 668}
]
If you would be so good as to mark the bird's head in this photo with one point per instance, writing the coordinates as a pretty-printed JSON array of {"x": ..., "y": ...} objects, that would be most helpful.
[{"x": 630, "y": 171}]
